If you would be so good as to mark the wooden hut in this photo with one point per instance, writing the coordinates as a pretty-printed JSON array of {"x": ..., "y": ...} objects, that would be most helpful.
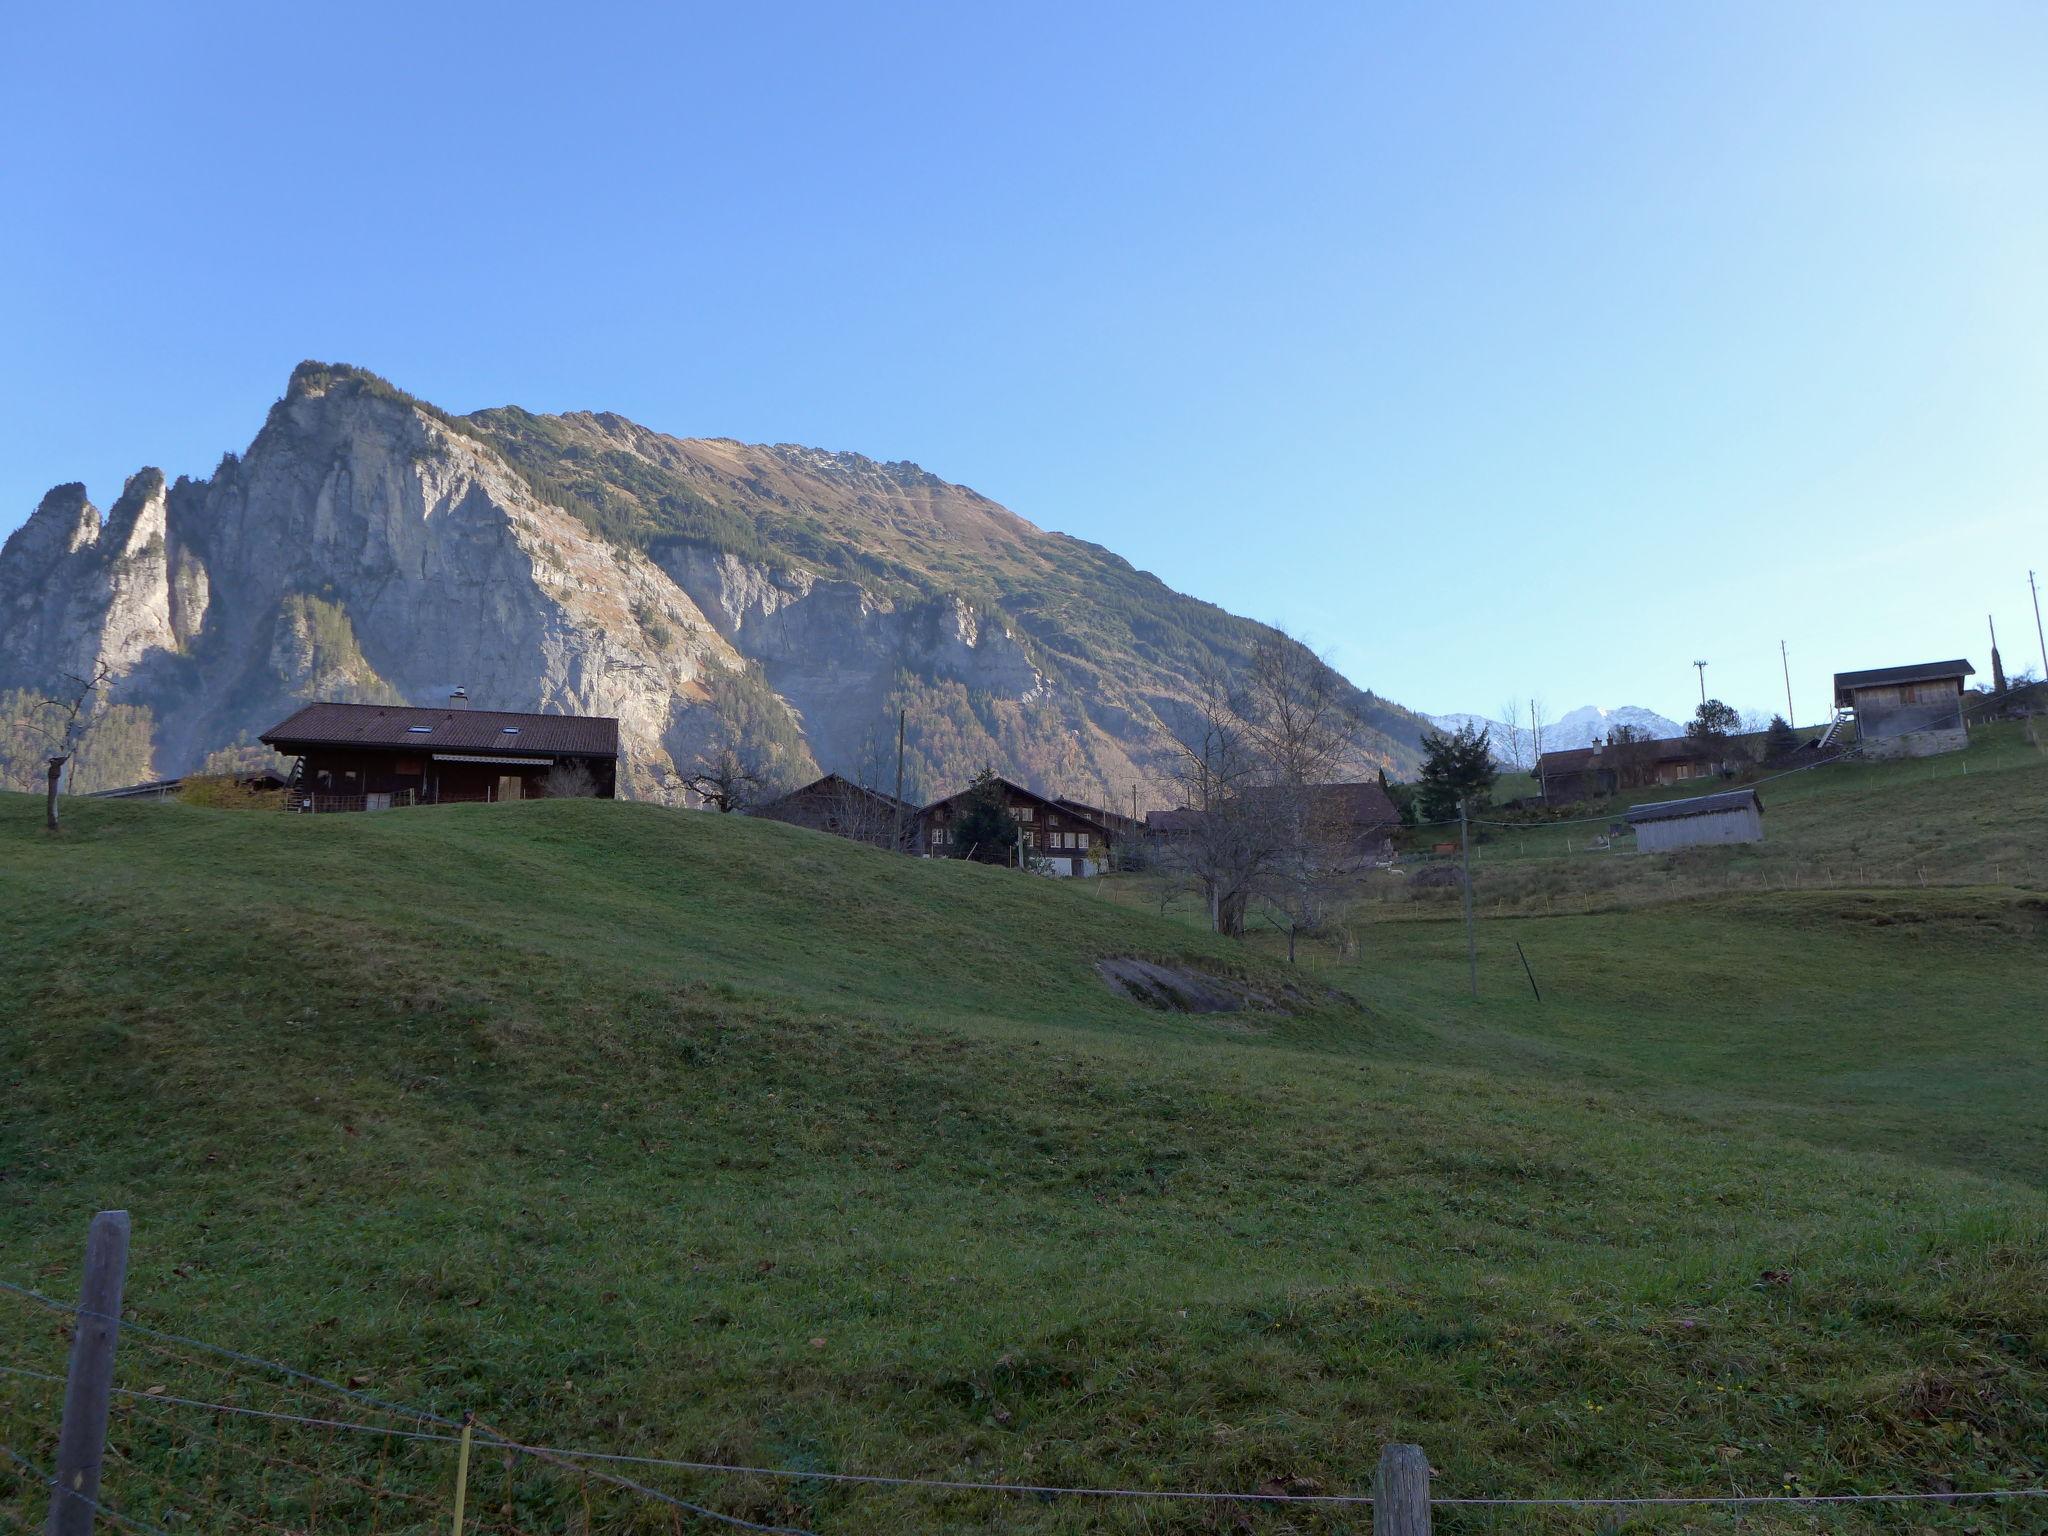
[
  {"x": 1913, "y": 711},
  {"x": 1734, "y": 816}
]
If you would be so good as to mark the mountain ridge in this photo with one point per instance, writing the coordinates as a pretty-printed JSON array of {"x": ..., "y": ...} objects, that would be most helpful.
[
  {"x": 785, "y": 600},
  {"x": 1585, "y": 726}
]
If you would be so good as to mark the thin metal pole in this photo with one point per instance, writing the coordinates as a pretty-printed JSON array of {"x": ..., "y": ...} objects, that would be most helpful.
[
  {"x": 1703, "y": 680},
  {"x": 88, "y": 1388},
  {"x": 1786, "y": 662},
  {"x": 2036, "y": 591},
  {"x": 1471, "y": 942}
]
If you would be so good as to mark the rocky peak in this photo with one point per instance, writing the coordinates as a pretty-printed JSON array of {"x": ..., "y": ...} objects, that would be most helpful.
[{"x": 62, "y": 523}]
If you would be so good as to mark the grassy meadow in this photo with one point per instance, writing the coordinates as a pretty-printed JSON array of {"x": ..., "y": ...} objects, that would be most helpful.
[{"x": 703, "y": 1138}]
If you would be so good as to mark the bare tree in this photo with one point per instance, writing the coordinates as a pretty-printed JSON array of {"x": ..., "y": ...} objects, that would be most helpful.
[
  {"x": 1302, "y": 729},
  {"x": 1514, "y": 739},
  {"x": 569, "y": 780},
  {"x": 727, "y": 779},
  {"x": 1224, "y": 845},
  {"x": 63, "y": 723}
]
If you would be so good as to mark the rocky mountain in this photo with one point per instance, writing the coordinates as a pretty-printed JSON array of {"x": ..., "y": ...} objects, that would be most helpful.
[
  {"x": 785, "y": 600},
  {"x": 1581, "y": 727}
]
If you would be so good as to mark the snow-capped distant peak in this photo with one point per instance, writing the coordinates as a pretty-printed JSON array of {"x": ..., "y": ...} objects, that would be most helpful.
[{"x": 1589, "y": 724}]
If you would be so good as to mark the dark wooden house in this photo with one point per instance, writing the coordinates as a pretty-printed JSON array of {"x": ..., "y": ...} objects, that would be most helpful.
[
  {"x": 846, "y": 809},
  {"x": 1057, "y": 838},
  {"x": 372, "y": 757},
  {"x": 1589, "y": 773}
]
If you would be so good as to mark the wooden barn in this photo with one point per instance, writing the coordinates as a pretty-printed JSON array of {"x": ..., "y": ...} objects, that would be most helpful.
[
  {"x": 1734, "y": 816},
  {"x": 373, "y": 757},
  {"x": 849, "y": 810},
  {"x": 1914, "y": 711}
]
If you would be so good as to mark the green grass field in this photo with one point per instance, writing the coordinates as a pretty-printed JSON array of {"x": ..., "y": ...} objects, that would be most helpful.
[{"x": 705, "y": 1138}]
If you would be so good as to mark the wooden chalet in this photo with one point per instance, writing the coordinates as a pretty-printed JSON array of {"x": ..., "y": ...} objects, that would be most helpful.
[
  {"x": 1057, "y": 838},
  {"x": 845, "y": 809},
  {"x": 373, "y": 757}
]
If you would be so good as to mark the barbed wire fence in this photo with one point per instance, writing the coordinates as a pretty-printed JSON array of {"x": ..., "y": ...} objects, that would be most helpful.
[{"x": 219, "y": 1439}]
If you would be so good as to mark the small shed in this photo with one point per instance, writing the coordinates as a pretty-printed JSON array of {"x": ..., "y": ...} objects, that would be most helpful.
[
  {"x": 1734, "y": 816},
  {"x": 1913, "y": 711}
]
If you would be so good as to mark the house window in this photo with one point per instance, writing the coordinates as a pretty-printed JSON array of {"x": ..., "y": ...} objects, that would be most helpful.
[{"x": 1023, "y": 813}]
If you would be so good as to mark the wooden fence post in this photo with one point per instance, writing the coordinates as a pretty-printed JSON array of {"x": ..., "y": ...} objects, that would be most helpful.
[
  {"x": 1400, "y": 1492},
  {"x": 88, "y": 1388}
]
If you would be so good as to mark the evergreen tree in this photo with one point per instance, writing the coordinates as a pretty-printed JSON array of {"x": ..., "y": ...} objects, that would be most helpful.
[
  {"x": 985, "y": 831},
  {"x": 1780, "y": 741},
  {"x": 1456, "y": 768},
  {"x": 1713, "y": 723}
]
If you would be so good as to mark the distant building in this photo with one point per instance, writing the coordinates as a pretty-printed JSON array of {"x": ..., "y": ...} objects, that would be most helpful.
[
  {"x": 1913, "y": 711},
  {"x": 1057, "y": 837},
  {"x": 846, "y": 809},
  {"x": 371, "y": 757},
  {"x": 1588, "y": 773},
  {"x": 1734, "y": 816},
  {"x": 1357, "y": 821}
]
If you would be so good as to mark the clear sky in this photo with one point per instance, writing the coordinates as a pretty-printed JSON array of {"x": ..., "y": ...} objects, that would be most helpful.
[{"x": 1499, "y": 350}]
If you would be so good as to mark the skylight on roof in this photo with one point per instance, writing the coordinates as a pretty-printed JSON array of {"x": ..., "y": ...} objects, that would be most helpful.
[
  {"x": 509, "y": 730},
  {"x": 419, "y": 730}
]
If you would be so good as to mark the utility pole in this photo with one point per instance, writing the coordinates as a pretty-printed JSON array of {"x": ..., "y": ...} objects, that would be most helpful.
[
  {"x": 89, "y": 1386},
  {"x": 1471, "y": 943},
  {"x": 2037, "y": 625},
  {"x": 896, "y": 838},
  {"x": 1703, "y": 680},
  {"x": 1784, "y": 661}
]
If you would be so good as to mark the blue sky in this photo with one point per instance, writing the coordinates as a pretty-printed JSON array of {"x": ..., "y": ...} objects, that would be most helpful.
[{"x": 1499, "y": 351}]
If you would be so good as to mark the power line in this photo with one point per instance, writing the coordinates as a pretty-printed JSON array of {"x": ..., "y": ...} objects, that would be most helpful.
[
  {"x": 56, "y": 1486},
  {"x": 233, "y": 1354}
]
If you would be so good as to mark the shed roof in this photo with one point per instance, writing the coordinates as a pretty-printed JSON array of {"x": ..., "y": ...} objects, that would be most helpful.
[
  {"x": 1698, "y": 805},
  {"x": 399, "y": 727},
  {"x": 1919, "y": 672}
]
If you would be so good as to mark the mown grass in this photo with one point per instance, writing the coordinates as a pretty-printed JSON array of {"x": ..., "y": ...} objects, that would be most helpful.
[{"x": 699, "y": 1137}]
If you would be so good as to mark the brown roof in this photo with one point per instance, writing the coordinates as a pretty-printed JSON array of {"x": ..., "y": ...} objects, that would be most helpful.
[
  {"x": 399, "y": 727},
  {"x": 835, "y": 783}
]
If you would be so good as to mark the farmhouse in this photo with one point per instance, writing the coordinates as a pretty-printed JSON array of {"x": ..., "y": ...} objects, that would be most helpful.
[
  {"x": 1913, "y": 711},
  {"x": 371, "y": 757},
  {"x": 1062, "y": 840},
  {"x": 1736, "y": 816},
  {"x": 846, "y": 809},
  {"x": 1606, "y": 768}
]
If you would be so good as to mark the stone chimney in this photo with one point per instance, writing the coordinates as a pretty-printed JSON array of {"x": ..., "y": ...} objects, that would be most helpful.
[{"x": 459, "y": 699}]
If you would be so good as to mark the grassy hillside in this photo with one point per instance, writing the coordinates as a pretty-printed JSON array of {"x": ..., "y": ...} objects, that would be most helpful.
[
  {"x": 1977, "y": 817},
  {"x": 707, "y": 1138}
]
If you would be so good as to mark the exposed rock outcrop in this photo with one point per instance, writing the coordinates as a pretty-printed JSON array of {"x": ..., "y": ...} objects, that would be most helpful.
[{"x": 370, "y": 546}]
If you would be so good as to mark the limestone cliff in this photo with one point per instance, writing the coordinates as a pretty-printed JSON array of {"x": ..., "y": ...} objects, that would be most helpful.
[{"x": 370, "y": 546}]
